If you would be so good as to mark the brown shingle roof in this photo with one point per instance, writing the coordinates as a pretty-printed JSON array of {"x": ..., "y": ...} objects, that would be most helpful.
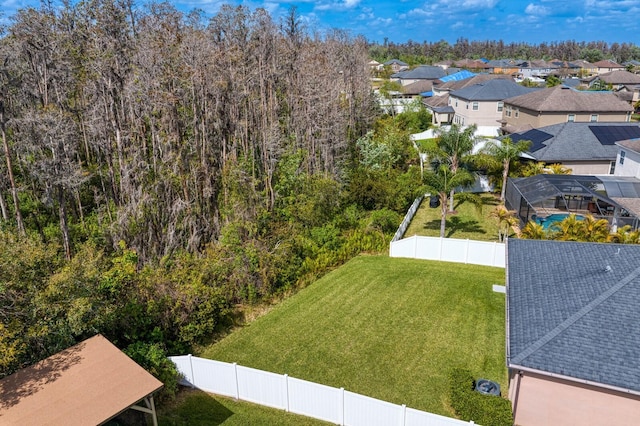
[
  {"x": 461, "y": 84},
  {"x": 417, "y": 87},
  {"x": 564, "y": 99},
  {"x": 607, "y": 64},
  {"x": 620, "y": 77},
  {"x": 86, "y": 384}
]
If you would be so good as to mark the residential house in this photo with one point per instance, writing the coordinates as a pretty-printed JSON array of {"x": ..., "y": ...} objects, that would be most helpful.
[
  {"x": 616, "y": 79},
  {"x": 422, "y": 72},
  {"x": 607, "y": 66},
  {"x": 584, "y": 69},
  {"x": 396, "y": 65},
  {"x": 472, "y": 64},
  {"x": 417, "y": 89},
  {"x": 504, "y": 66},
  {"x": 482, "y": 104},
  {"x": 562, "y": 104},
  {"x": 438, "y": 104},
  {"x": 535, "y": 69},
  {"x": 585, "y": 148},
  {"x": 375, "y": 65},
  {"x": 628, "y": 157},
  {"x": 572, "y": 340}
]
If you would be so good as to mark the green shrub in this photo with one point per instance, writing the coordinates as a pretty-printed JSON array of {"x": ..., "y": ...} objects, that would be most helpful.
[
  {"x": 153, "y": 358},
  {"x": 485, "y": 410}
]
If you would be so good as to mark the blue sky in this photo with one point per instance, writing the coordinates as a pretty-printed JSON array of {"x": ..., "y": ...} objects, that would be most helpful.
[{"x": 532, "y": 21}]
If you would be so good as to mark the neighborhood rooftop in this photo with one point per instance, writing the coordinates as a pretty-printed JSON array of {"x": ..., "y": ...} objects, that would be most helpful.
[
  {"x": 573, "y": 310},
  {"x": 565, "y": 99}
]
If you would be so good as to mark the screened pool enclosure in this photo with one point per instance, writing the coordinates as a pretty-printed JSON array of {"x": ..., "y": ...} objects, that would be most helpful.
[{"x": 615, "y": 198}]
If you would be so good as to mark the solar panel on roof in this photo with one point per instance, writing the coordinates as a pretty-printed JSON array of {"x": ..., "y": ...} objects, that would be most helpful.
[
  {"x": 537, "y": 137},
  {"x": 609, "y": 135}
]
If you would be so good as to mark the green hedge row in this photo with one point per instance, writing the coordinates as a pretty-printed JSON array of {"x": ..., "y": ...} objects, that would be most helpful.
[{"x": 485, "y": 410}]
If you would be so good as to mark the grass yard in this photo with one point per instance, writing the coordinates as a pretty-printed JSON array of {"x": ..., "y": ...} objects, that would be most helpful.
[
  {"x": 466, "y": 223},
  {"x": 383, "y": 327},
  {"x": 195, "y": 408}
]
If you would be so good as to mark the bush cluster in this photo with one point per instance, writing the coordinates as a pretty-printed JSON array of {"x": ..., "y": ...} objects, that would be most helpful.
[{"x": 486, "y": 410}]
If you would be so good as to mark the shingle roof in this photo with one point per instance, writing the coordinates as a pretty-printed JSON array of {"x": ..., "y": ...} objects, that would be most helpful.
[
  {"x": 619, "y": 77},
  {"x": 396, "y": 62},
  {"x": 480, "y": 78},
  {"x": 607, "y": 64},
  {"x": 426, "y": 72},
  {"x": 437, "y": 101},
  {"x": 568, "y": 315},
  {"x": 630, "y": 144},
  {"x": 573, "y": 142},
  {"x": 492, "y": 90},
  {"x": 417, "y": 87},
  {"x": 565, "y": 99}
]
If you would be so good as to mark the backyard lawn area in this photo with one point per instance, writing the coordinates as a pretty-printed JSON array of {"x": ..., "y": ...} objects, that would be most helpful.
[
  {"x": 467, "y": 222},
  {"x": 384, "y": 327},
  {"x": 195, "y": 408}
]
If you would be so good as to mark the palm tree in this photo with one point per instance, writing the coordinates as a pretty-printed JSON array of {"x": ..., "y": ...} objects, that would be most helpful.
[
  {"x": 504, "y": 152},
  {"x": 624, "y": 235},
  {"x": 533, "y": 231},
  {"x": 441, "y": 181},
  {"x": 569, "y": 229},
  {"x": 594, "y": 230},
  {"x": 453, "y": 147},
  {"x": 506, "y": 219}
]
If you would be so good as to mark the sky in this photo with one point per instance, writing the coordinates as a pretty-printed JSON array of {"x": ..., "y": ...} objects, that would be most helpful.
[{"x": 532, "y": 21}]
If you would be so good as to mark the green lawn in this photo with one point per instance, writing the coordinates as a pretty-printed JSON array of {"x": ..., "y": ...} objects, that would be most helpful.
[
  {"x": 467, "y": 222},
  {"x": 386, "y": 328},
  {"x": 195, "y": 408}
]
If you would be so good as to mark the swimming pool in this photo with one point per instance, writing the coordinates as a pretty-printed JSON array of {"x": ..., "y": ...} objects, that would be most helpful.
[{"x": 549, "y": 221}]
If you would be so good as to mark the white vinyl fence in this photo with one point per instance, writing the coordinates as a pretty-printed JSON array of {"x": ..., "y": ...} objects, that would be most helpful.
[
  {"x": 450, "y": 250},
  {"x": 309, "y": 399},
  {"x": 407, "y": 218}
]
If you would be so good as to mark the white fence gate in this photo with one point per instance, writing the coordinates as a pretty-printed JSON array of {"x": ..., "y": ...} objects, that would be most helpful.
[
  {"x": 450, "y": 250},
  {"x": 309, "y": 399}
]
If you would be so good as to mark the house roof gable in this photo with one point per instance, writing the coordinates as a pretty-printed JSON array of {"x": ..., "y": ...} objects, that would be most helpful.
[
  {"x": 572, "y": 310},
  {"x": 492, "y": 90},
  {"x": 576, "y": 141},
  {"x": 565, "y": 99}
]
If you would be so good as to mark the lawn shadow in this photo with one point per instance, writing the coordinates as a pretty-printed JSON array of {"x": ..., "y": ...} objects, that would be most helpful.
[
  {"x": 456, "y": 224},
  {"x": 195, "y": 407}
]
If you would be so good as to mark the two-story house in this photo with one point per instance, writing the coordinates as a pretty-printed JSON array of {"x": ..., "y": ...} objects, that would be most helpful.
[
  {"x": 608, "y": 66},
  {"x": 441, "y": 110},
  {"x": 561, "y": 104},
  {"x": 482, "y": 104}
]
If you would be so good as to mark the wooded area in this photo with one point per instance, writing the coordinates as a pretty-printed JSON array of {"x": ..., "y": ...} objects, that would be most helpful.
[
  {"x": 415, "y": 53},
  {"x": 162, "y": 169}
]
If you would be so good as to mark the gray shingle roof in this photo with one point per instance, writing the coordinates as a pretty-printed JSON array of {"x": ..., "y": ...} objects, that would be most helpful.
[
  {"x": 567, "y": 315},
  {"x": 565, "y": 99},
  {"x": 572, "y": 142},
  {"x": 492, "y": 90},
  {"x": 426, "y": 72}
]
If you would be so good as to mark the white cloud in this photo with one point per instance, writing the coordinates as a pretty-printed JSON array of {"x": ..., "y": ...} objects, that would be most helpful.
[
  {"x": 339, "y": 5},
  {"x": 536, "y": 9}
]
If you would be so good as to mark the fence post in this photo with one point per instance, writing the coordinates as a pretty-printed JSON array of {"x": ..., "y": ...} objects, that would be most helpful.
[
  {"x": 286, "y": 391},
  {"x": 466, "y": 253},
  {"x": 235, "y": 370},
  {"x": 415, "y": 246},
  {"x": 342, "y": 406},
  {"x": 403, "y": 415},
  {"x": 193, "y": 378}
]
